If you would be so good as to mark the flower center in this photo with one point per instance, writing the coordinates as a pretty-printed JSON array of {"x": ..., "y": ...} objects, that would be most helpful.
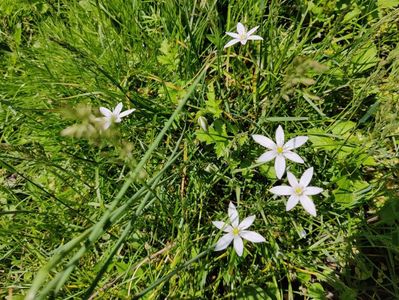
[
  {"x": 236, "y": 231},
  {"x": 243, "y": 37},
  {"x": 114, "y": 117},
  {"x": 298, "y": 190},
  {"x": 279, "y": 150}
]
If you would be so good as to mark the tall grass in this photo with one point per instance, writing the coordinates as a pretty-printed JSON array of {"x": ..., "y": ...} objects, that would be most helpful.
[{"x": 128, "y": 213}]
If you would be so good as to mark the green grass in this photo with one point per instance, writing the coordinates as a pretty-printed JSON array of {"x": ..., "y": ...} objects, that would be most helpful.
[{"x": 127, "y": 213}]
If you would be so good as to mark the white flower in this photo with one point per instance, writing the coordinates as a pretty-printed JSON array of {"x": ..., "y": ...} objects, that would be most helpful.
[
  {"x": 242, "y": 35},
  {"x": 114, "y": 116},
  {"x": 279, "y": 150},
  {"x": 299, "y": 191},
  {"x": 203, "y": 123},
  {"x": 302, "y": 233},
  {"x": 236, "y": 232}
]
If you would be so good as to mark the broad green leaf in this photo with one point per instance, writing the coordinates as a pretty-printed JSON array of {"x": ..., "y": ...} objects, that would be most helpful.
[
  {"x": 217, "y": 135},
  {"x": 359, "y": 185},
  {"x": 218, "y": 130},
  {"x": 343, "y": 183},
  {"x": 304, "y": 278},
  {"x": 342, "y": 127},
  {"x": 221, "y": 149},
  {"x": 316, "y": 291},
  {"x": 389, "y": 213},
  {"x": 349, "y": 192},
  {"x": 344, "y": 151},
  {"x": 169, "y": 57},
  {"x": 241, "y": 138},
  {"x": 352, "y": 14},
  {"x": 86, "y": 5},
  {"x": 387, "y": 3},
  {"x": 366, "y": 160},
  {"x": 345, "y": 198},
  {"x": 267, "y": 170},
  {"x": 212, "y": 104},
  {"x": 320, "y": 139},
  {"x": 365, "y": 58}
]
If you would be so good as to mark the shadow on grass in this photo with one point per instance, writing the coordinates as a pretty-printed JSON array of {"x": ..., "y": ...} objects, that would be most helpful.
[{"x": 373, "y": 261}]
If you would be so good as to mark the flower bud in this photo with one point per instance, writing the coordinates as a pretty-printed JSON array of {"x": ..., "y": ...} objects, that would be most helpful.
[{"x": 203, "y": 123}]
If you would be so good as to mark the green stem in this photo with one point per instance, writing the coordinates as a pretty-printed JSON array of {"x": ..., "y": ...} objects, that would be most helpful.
[
  {"x": 97, "y": 230},
  {"x": 170, "y": 274}
]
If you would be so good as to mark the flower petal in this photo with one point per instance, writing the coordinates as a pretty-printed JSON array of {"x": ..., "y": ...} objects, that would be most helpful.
[
  {"x": 251, "y": 31},
  {"x": 118, "y": 108},
  {"x": 224, "y": 241},
  {"x": 233, "y": 215},
  {"x": 246, "y": 222},
  {"x": 231, "y": 43},
  {"x": 292, "y": 201},
  {"x": 312, "y": 190},
  {"x": 306, "y": 177},
  {"x": 293, "y": 157},
  {"x": 264, "y": 141},
  {"x": 280, "y": 136},
  {"x": 219, "y": 224},
  {"x": 126, "y": 112},
  {"x": 107, "y": 124},
  {"x": 255, "y": 38},
  {"x": 241, "y": 28},
  {"x": 106, "y": 112},
  {"x": 243, "y": 41},
  {"x": 308, "y": 205},
  {"x": 267, "y": 156},
  {"x": 238, "y": 245},
  {"x": 281, "y": 190},
  {"x": 233, "y": 35},
  {"x": 292, "y": 179},
  {"x": 203, "y": 123},
  {"x": 279, "y": 166},
  {"x": 295, "y": 142},
  {"x": 252, "y": 236},
  {"x": 223, "y": 226}
]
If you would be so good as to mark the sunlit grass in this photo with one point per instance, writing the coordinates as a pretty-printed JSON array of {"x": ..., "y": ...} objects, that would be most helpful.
[{"x": 128, "y": 211}]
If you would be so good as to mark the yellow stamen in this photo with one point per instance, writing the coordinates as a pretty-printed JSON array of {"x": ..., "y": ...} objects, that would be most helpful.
[
  {"x": 298, "y": 191},
  {"x": 236, "y": 231},
  {"x": 280, "y": 150}
]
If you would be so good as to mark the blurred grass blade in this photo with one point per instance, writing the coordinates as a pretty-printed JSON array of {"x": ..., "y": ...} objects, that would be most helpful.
[{"x": 97, "y": 229}]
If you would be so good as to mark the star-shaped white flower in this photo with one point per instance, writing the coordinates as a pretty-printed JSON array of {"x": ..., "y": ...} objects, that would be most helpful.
[
  {"x": 279, "y": 151},
  {"x": 299, "y": 191},
  {"x": 236, "y": 232},
  {"x": 242, "y": 35},
  {"x": 114, "y": 116}
]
